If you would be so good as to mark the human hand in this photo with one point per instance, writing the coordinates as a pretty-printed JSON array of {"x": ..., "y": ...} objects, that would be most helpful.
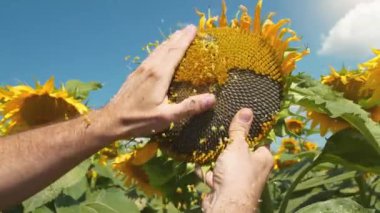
[
  {"x": 140, "y": 107},
  {"x": 239, "y": 176}
]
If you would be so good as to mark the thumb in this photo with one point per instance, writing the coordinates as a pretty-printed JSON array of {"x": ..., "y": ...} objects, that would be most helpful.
[
  {"x": 240, "y": 125},
  {"x": 191, "y": 106}
]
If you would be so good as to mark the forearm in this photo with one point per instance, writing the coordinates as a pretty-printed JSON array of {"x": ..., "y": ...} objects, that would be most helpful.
[
  {"x": 31, "y": 160},
  {"x": 234, "y": 201}
]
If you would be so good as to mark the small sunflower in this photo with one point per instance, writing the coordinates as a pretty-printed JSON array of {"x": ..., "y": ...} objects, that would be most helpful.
[
  {"x": 348, "y": 82},
  {"x": 354, "y": 85},
  {"x": 130, "y": 165},
  {"x": 310, "y": 146},
  {"x": 294, "y": 125},
  {"x": 289, "y": 145},
  {"x": 108, "y": 153},
  {"x": 24, "y": 107},
  {"x": 244, "y": 63},
  {"x": 281, "y": 163}
]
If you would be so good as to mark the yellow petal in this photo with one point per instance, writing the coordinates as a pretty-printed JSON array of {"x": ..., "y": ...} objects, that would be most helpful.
[
  {"x": 144, "y": 154},
  {"x": 49, "y": 85},
  {"x": 257, "y": 21},
  {"x": 210, "y": 22},
  {"x": 245, "y": 19},
  {"x": 223, "y": 17},
  {"x": 234, "y": 23},
  {"x": 202, "y": 19}
]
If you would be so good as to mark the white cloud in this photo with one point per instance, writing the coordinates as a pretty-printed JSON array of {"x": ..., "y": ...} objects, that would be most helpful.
[{"x": 355, "y": 34}]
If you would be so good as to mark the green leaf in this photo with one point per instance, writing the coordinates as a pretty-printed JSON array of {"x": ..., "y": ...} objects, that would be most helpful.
[
  {"x": 49, "y": 193},
  {"x": 77, "y": 190},
  {"x": 280, "y": 128},
  {"x": 338, "y": 205},
  {"x": 115, "y": 199},
  {"x": 351, "y": 149},
  {"x": 321, "y": 98},
  {"x": 66, "y": 204},
  {"x": 107, "y": 172},
  {"x": 308, "y": 197},
  {"x": 43, "y": 209},
  {"x": 80, "y": 90},
  {"x": 112, "y": 200},
  {"x": 160, "y": 170},
  {"x": 325, "y": 179}
]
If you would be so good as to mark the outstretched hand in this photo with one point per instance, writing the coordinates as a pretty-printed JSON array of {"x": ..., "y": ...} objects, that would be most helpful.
[
  {"x": 239, "y": 176},
  {"x": 140, "y": 107}
]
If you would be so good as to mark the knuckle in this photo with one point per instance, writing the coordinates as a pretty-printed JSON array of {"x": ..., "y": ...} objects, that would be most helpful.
[
  {"x": 189, "y": 108},
  {"x": 264, "y": 158},
  {"x": 150, "y": 71},
  {"x": 193, "y": 105},
  {"x": 166, "y": 116},
  {"x": 237, "y": 130},
  {"x": 143, "y": 67},
  {"x": 163, "y": 117},
  {"x": 153, "y": 74}
]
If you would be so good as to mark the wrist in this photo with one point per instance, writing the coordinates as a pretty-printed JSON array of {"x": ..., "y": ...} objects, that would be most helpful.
[
  {"x": 101, "y": 125},
  {"x": 231, "y": 199}
]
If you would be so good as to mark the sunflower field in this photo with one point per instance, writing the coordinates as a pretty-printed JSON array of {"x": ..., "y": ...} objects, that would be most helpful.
[{"x": 327, "y": 130}]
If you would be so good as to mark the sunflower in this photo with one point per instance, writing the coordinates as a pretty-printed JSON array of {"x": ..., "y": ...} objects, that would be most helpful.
[
  {"x": 349, "y": 82},
  {"x": 373, "y": 68},
  {"x": 281, "y": 163},
  {"x": 294, "y": 125},
  {"x": 326, "y": 123},
  {"x": 108, "y": 153},
  {"x": 244, "y": 63},
  {"x": 290, "y": 146},
  {"x": 355, "y": 86},
  {"x": 129, "y": 165},
  {"x": 310, "y": 146},
  {"x": 24, "y": 107}
]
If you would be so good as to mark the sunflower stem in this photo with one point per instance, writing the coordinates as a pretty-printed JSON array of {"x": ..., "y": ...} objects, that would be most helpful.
[
  {"x": 266, "y": 204},
  {"x": 364, "y": 198},
  {"x": 302, "y": 174}
]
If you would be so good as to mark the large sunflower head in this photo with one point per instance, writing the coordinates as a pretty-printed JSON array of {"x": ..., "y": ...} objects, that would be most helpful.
[
  {"x": 129, "y": 165},
  {"x": 24, "y": 107},
  {"x": 244, "y": 63}
]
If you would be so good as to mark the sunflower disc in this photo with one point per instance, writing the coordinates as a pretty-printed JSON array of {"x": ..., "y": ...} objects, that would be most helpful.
[{"x": 202, "y": 137}]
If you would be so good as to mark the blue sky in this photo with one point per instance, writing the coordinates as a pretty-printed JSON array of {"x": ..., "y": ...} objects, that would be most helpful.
[{"x": 88, "y": 39}]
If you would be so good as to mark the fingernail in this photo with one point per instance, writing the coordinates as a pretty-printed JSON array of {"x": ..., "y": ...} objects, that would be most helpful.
[
  {"x": 245, "y": 115},
  {"x": 209, "y": 100}
]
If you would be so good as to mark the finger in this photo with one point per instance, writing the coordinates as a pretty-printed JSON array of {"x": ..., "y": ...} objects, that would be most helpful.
[
  {"x": 173, "y": 52},
  {"x": 189, "y": 107},
  {"x": 155, "y": 61},
  {"x": 176, "y": 47},
  {"x": 207, "y": 177},
  {"x": 173, "y": 38},
  {"x": 240, "y": 125}
]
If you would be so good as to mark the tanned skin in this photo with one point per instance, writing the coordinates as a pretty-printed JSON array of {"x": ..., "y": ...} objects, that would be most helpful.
[{"x": 31, "y": 160}]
